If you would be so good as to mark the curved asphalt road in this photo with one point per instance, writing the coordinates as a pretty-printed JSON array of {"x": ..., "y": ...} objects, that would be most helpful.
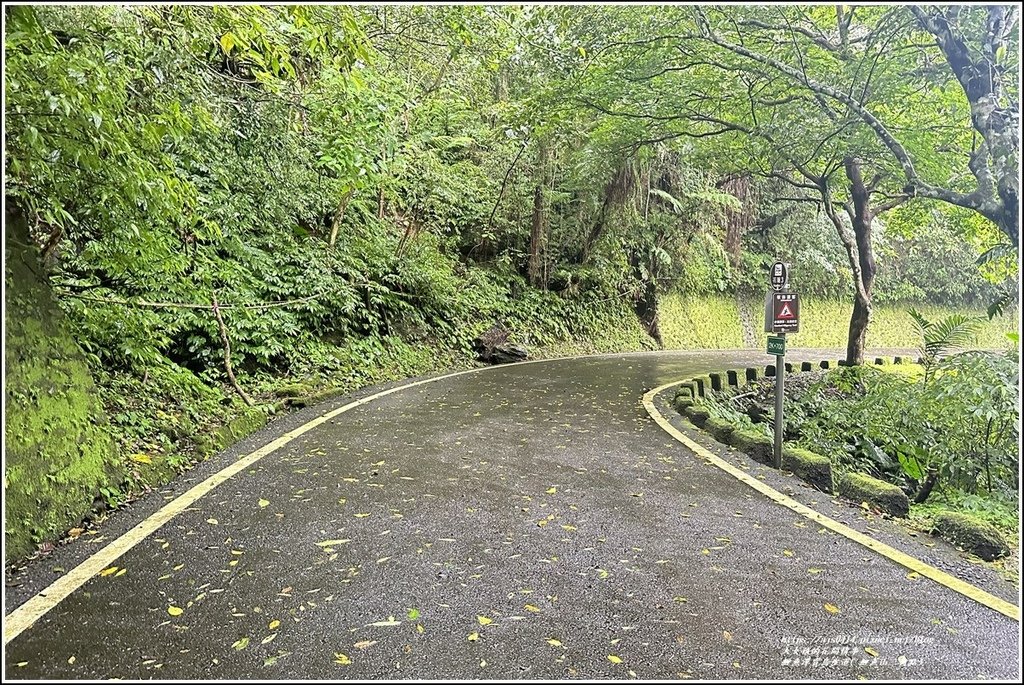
[{"x": 529, "y": 521}]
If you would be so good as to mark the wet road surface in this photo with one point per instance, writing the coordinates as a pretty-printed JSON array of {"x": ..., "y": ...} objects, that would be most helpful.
[{"x": 529, "y": 521}]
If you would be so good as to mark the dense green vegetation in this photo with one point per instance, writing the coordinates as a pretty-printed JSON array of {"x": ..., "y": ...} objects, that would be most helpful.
[
  {"x": 947, "y": 433},
  {"x": 232, "y": 201}
]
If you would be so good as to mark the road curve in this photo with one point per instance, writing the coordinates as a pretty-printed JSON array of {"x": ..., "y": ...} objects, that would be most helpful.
[{"x": 528, "y": 521}]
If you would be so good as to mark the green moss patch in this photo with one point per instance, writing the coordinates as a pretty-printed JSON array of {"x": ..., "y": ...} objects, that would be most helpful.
[
  {"x": 889, "y": 498},
  {"x": 757, "y": 446},
  {"x": 697, "y": 415},
  {"x": 971, "y": 534},
  {"x": 230, "y": 433},
  {"x": 57, "y": 444},
  {"x": 809, "y": 466},
  {"x": 719, "y": 428}
]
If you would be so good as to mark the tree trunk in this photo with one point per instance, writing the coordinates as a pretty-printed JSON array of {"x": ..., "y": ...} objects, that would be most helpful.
[
  {"x": 738, "y": 221},
  {"x": 861, "y": 218},
  {"x": 859, "y": 251},
  {"x": 538, "y": 227}
]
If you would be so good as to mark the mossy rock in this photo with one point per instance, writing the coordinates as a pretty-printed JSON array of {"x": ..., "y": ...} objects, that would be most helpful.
[
  {"x": 233, "y": 431},
  {"x": 697, "y": 415},
  {"x": 861, "y": 487},
  {"x": 292, "y": 390},
  {"x": 971, "y": 534},
  {"x": 719, "y": 428},
  {"x": 703, "y": 384},
  {"x": 809, "y": 466},
  {"x": 716, "y": 381},
  {"x": 684, "y": 390},
  {"x": 734, "y": 378},
  {"x": 682, "y": 402},
  {"x": 750, "y": 374},
  {"x": 757, "y": 446}
]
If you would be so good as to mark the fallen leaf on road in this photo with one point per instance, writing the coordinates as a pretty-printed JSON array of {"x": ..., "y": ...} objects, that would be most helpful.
[
  {"x": 342, "y": 659},
  {"x": 871, "y": 650},
  {"x": 274, "y": 624},
  {"x": 473, "y": 637},
  {"x": 390, "y": 622},
  {"x": 832, "y": 609},
  {"x": 264, "y": 503},
  {"x": 554, "y": 643},
  {"x": 530, "y": 607},
  {"x": 241, "y": 644},
  {"x": 363, "y": 644},
  {"x": 552, "y": 490},
  {"x": 614, "y": 659},
  {"x": 332, "y": 543},
  {"x": 484, "y": 621},
  {"x": 175, "y": 611},
  {"x": 108, "y": 571}
]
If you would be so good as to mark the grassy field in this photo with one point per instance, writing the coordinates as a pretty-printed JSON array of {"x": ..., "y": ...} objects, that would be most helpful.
[{"x": 714, "y": 322}]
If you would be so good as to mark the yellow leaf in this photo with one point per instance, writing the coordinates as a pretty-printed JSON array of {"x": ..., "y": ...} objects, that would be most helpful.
[
  {"x": 364, "y": 644},
  {"x": 787, "y": 552},
  {"x": 727, "y": 636},
  {"x": 484, "y": 621},
  {"x": 832, "y": 609},
  {"x": 552, "y": 490},
  {"x": 814, "y": 571},
  {"x": 241, "y": 644},
  {"x": 268, "y": 639},
  {"x": 264, "y": 503},
  {"x": 361, "y": 516},
  {"x": 175, "y": 611},
  {"x": 141, "y": 458},
  {"x": 614, "y": 659},
  {"x": 227, "y": 41},
  {"x": 420, "y": 628},
  {"x": 212, "y": 522},
  {"x": 530, "y": 607},
  {"x": 332, "y": 543},
  {"x": 274, "y": 624},
  {"x": 568, "y": 527},
  {"x": 871, "y": 650},
  {"x": 473, "y": 637},
  {"x": 554, "y": 643},
  {"x": 342, "y": 659},
  {"x": 914, "y": 575},
  {"x": 108, "y": 571},
  {"x": 121, "y": 572}
]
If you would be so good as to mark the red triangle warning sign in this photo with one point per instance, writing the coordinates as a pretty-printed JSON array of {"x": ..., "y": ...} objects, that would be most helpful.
[{"x": 785, "y": 312}]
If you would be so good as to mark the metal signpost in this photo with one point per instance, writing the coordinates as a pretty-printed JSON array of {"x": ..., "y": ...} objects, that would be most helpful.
[{"x": 781, "y": 316}]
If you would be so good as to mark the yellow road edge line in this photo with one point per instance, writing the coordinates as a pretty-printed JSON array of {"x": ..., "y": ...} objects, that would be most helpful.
[{"x": 941, "y": 577}]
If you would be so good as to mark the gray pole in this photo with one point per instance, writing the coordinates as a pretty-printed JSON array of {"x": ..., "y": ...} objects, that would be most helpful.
[{"x": 780, "y": 382}]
